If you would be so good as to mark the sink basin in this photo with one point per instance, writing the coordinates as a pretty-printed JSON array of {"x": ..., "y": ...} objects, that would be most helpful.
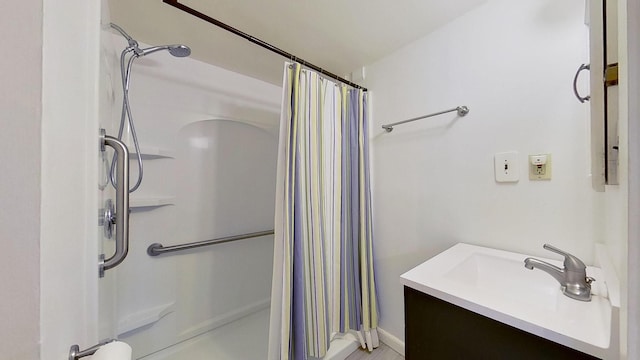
[{"x": 495, "y": 284}]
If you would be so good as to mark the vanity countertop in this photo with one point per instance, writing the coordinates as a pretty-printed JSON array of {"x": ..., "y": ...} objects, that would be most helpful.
[{"x": 495, "y": 283}]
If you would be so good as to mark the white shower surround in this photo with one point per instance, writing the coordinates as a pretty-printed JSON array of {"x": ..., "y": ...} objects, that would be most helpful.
[{"x": 211, "y": 136}]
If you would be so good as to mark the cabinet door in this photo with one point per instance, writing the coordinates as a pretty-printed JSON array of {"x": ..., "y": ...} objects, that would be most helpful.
[{"x": 436, "y": 329}]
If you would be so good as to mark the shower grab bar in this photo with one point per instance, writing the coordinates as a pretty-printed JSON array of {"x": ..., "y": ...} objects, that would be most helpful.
[
  {"x": 122, "y": 204},
  {"x": 462, "y": 111},
  {"x": 158, "y": 249}
]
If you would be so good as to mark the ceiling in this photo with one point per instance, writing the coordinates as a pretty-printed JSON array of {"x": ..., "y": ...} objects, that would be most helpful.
[{"x": 337, "y": 35}]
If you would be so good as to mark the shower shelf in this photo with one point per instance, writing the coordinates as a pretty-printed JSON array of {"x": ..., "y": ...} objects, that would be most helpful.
[
  {"x": 151, "y": 201},
  {"x": 151, "y": 152}
]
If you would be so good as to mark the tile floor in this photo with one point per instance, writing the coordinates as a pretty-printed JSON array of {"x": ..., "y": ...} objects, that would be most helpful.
[{"x": 381, "y": 353}]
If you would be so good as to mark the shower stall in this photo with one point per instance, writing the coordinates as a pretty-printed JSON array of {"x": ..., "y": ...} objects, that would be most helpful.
[{"x": 208, "y": 139}]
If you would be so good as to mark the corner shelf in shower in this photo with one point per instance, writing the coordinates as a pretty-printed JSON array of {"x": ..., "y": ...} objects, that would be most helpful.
[
  {"x": 150, "y": 201},
  {"x": 152, "y": 152}
]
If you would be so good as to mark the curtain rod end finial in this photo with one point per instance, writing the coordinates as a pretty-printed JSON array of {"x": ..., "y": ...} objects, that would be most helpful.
[{"x": 462, "y": 110}]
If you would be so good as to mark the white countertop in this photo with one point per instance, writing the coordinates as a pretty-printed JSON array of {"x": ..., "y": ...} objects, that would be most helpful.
[{"x": 495, "y": 283}]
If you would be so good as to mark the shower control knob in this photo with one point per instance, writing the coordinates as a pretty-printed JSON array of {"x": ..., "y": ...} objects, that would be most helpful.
[{"x": 107, "y": 219}]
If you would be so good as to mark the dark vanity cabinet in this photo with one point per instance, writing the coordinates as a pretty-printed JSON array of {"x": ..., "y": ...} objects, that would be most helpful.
[{"x": 436, "y": 329}]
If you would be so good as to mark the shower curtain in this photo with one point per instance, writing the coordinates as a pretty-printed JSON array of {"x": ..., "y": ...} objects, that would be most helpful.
[{"x": 323, "y": 281}]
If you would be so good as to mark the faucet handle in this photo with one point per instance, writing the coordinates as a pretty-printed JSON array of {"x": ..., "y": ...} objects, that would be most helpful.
[{"x": 571, "y": 262}]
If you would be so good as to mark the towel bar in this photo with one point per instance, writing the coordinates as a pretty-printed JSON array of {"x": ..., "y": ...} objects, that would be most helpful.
[{"x": 462, "y": 111}]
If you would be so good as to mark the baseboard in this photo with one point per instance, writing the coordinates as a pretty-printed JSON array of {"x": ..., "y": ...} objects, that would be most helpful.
[{"x": 393, "y": 342}]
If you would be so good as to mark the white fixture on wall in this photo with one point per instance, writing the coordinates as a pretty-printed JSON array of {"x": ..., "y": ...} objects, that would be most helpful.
[
  {"x": 506, "y": 166},
  {"x": 358, "y": 75},
  {"x": 540, "y": 167}
]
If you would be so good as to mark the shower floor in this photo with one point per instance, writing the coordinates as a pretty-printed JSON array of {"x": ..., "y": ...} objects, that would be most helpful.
[{"x": 243, "y": 339}]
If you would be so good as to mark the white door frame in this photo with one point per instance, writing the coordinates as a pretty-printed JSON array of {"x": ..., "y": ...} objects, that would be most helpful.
[{"x": 69, "y": 242}]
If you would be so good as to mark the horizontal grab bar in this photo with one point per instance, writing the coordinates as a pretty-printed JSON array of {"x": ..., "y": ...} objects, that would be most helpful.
[
  {"x": 462, "y": 111},
  {"x": 158, "y": 249}
]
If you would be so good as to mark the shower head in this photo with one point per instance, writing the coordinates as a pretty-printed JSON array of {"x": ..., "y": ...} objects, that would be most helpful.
[
  {"x": 179, "y": 50},
  {"x": 175, "y": 50}
]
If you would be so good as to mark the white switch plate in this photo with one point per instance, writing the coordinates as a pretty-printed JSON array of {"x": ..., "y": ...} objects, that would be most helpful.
[{"x": 506, "y": 166}]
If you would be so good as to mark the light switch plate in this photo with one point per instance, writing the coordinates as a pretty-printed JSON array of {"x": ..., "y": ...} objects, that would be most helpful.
[{"x": 506, "y": 167}]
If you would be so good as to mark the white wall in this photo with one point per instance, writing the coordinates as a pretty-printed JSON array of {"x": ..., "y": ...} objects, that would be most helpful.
[
  {"x": 512, "y": 63},
  {"x": 45, "y": 222},
  {"x": 20, "y": 106}
]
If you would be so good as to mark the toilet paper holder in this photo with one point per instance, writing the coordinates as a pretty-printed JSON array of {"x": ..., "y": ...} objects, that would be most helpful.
[{"x": 75, "y": 353}]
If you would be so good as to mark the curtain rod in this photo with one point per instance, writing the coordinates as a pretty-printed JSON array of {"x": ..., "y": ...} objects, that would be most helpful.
[{"x": 259, "y": 42}]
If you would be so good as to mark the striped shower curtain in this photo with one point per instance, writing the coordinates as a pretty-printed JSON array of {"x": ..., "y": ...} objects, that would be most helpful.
[{"x": 323, "y": 280}]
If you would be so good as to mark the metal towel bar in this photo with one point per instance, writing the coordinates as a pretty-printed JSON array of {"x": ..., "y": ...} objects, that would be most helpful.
[
  {"x": 462, "y": 111},
  {"x": 158, "y": 249}
]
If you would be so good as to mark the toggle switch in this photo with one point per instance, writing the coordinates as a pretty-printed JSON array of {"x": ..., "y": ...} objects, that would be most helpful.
[{"x": 506, "y": 166}]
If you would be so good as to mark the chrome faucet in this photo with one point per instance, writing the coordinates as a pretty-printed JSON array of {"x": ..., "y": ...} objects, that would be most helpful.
[{"x": 573, "y": 277}]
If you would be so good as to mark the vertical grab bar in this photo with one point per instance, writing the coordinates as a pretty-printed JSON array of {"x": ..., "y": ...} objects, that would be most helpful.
[{"x": 122, "y": 202}]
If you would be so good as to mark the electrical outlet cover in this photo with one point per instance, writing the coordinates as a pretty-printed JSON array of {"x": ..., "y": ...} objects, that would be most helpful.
[
  {"x": 539, "y": 171},
  {"x": 506, "y": 167}
]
